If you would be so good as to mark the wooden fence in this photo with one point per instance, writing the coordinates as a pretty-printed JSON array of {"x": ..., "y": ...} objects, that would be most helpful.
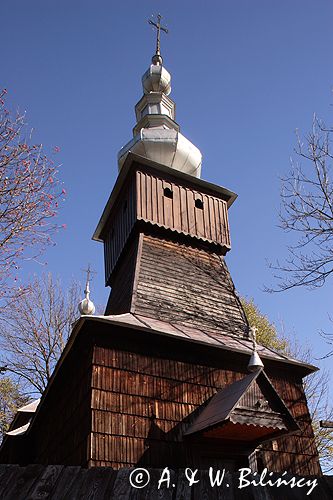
[{"x": 70, "y": 482}]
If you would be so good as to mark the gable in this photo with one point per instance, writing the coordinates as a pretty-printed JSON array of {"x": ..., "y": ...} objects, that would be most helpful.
[{"x": 247, "y": 410}]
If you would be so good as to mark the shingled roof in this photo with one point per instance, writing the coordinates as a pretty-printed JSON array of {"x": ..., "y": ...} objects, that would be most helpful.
[{"x": 201, "y": 336}]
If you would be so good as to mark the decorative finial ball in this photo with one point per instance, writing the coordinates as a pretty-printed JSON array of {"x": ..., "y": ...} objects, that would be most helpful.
[
  {"x": 86, "y": 306},
  {"x": 156, "y": 79}
]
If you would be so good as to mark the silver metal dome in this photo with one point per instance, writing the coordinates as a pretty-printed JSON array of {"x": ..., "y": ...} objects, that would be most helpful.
[
  {"x": 156, "y": 79},
  {"x": 156, "y": 135},
  {"x": 86, "y": 306}
]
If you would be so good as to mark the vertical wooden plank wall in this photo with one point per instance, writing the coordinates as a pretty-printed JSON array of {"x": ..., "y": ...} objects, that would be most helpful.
[
  {"x": 122, "y": 281},
  {"x": 119, "y": 227},
  {"x": 185, "y": 210}
]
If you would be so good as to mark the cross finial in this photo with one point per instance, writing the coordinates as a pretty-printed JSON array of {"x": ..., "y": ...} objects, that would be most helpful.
[
  {"x": 89, "y": 272},
  {"x": 86, "y": 306},
  {"x": 157, "y": 58},
  {"x": 254, "y": 330},
  {"x": 255, "y": 362}
]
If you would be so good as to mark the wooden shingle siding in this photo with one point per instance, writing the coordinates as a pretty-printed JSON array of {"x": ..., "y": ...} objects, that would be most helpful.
[
  {"x": 157, "y": 277},
  {"x": 58, "y": 437},
  {"x": 62, "y": 427},
  {"x": 141, "y": 403},
  {"x": 299, "y": 444},
  {"x": 121, "y": 400},
  {"x": 191, "y": 285}
]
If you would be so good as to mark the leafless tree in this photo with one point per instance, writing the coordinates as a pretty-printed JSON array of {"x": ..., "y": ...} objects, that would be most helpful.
[
  {"x": 317, "y": 392},
  {"x": 307, "y": 212},
  {"x": 35, "y": 330},
  {"x": 30, "y": 193}
]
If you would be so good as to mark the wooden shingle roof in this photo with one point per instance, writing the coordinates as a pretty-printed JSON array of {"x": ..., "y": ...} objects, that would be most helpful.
[{"x": 196, "y": 335}]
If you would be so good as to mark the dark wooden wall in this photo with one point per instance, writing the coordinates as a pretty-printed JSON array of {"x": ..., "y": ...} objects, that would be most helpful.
[
  {"x": 285, "y": 451},
  {"x": 119, "y": 226},
  {"x": 178, "y": 282},
  {"x": 122, "y": 397},
  {"x": 123, "y": 280},
  {"x": 131, "y": 389},
  {"x": 173, "y": 281},
  {"x": 139, "y": 403},
  {"x": 56, "y": 482},
  {"x": 61, "y": 430}
]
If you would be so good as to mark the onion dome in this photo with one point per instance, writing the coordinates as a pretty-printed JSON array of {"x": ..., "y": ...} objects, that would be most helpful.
[
  {"x": 156, "y": 79},
  {"x": 86, "y": 306},
  {"x": 156, "y": 135}
]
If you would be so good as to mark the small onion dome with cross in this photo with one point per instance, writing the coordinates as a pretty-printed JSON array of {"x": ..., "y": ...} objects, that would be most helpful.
[
  {"x": 86, "y": 306},
  {"x": 157, "y": 78},
  {"x": 156, "y": 135}
]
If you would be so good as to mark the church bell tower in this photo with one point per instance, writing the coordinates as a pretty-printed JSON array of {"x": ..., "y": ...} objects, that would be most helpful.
[
  {"x": 165, "y": 231},
  {"x": 170, "y": 375}
]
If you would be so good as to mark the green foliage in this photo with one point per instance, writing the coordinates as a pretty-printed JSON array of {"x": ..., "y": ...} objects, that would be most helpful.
[
  {"x": 266, "y": 331},
  {"x": 11, "y": 398},
  {"x": 316, "y": 385}
]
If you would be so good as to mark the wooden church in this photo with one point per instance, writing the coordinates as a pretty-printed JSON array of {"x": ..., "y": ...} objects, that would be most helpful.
[{"x": 171, "y": 374}]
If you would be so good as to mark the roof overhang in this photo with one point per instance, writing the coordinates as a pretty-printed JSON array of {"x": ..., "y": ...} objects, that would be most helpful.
[{"x": 128, "y": 320}]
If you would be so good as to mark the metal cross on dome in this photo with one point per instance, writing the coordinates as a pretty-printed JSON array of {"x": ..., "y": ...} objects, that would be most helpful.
[
  {"x": 89, "y": 272},
  {"x": 254, "y": 330},
  {"x": 159, "y": 28}
]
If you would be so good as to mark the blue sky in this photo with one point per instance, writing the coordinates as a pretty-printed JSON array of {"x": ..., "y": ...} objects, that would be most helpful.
[{"x": 245, "y": 76}]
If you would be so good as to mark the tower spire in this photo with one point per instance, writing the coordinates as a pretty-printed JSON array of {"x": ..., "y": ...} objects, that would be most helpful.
[{"x": 157, "y": 58}]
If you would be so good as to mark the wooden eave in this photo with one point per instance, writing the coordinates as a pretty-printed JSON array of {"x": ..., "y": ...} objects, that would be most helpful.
[
  {"x": 23, "y": 415},
  {"x": 159, "y": 328},
  {"x": 199, "y": 336},
  {"x": 131, "y": 163}
]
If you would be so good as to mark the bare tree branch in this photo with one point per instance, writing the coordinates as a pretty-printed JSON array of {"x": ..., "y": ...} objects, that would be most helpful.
[
  {"x": 35, "y": 329},
  {"x": 307, "y": 212}
]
